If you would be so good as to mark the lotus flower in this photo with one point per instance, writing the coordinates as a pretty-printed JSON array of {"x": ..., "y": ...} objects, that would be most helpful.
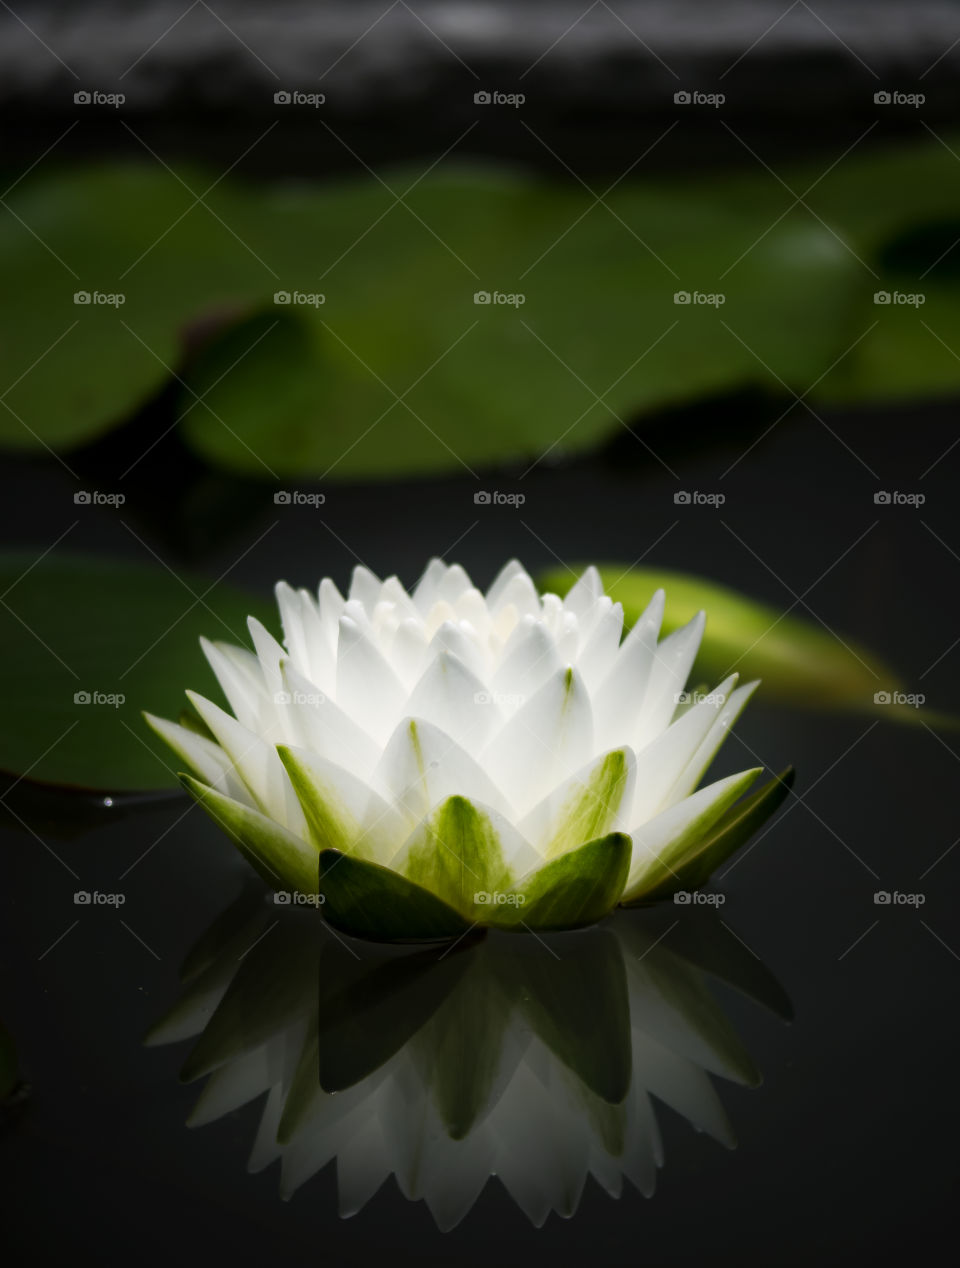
[{"x": 421, "y": 763}]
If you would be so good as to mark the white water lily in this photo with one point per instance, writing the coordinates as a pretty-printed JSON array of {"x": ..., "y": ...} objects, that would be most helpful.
[{"x": 439, "y": 758}]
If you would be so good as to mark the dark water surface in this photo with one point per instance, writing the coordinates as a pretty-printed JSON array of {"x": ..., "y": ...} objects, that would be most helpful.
[{"x": 845, "y": 1153}]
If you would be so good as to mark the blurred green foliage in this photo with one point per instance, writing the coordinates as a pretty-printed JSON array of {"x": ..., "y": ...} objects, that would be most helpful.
[{"x": 398, "y": 371}]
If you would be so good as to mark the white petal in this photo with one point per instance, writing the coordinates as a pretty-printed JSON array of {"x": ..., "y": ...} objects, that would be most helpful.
[
  {"x": 366, "y": 587},
  {"x": 618, "y": 701},
  {"x": 453, "y": 639},
  {"x": 671, "y": 666},
  {"x": 427, "y": 588},
  {"x": 695, "y": 814},
  {"x": 594, "y": 801},
  {"x": 269, "y": 654},
  {"x": 519, "y": 591},
  {"x": 241, "y": 680},
  {"x": 547, "y": 739},
  {"x": 456, "y": 701},
  {"x": 422, "y": 766},
  {"x": 257, "y": 764},
  {"x": 722, "y": 724},
  {"x": 529, "y": 659},
  {"x": 291, "y": 617},
  {"x": 455, "y": 584},
  {"x": 661, "y": 764},
  {"x": 318, "y": 723},
  {"x": 599, "y": 647},
  {"x": 206, "y": 760},
  {"x": 367, "y": 688},
  {"x": 352, "y": 817},
  {"x": 584, "y": 594},
  {"x": 503, "y": 578}
]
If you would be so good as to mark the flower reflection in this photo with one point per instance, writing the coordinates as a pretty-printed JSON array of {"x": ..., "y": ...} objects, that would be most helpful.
[{"x": 534, "y": 1060}]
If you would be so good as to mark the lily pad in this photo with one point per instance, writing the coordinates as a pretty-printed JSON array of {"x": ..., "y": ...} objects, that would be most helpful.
[{"x": 85, "y": 645}]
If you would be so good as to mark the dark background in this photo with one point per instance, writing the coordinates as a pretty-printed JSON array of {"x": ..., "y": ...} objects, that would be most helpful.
[{"x": 846, "y": 1153}]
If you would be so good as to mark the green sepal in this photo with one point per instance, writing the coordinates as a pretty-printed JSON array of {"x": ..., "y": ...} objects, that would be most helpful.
[
  {"x": 576, "y": 889},
  {"x": 733, "y": 830},
  {"x": 366, "y": 900},
  {"x": 281, "y": 858}
]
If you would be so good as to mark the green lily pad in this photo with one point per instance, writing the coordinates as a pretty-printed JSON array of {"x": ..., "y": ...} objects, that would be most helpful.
[
  {"x": 370, "y": 901},
  {"x": 85, "y": 645}
]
